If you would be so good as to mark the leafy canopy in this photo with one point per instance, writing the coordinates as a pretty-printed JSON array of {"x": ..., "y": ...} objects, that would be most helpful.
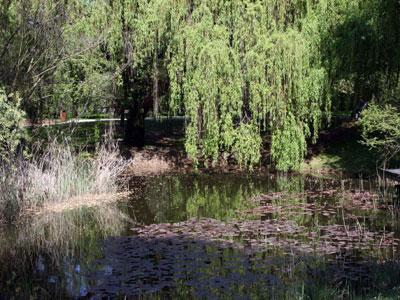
[{"x": 239, "y": 68}]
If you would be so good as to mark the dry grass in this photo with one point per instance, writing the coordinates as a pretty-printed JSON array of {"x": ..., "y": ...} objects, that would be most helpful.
[
  {"x": 146, "y": 165},
  {"x": 88, "y": 200},
  {"x": 57, "y": 177}
]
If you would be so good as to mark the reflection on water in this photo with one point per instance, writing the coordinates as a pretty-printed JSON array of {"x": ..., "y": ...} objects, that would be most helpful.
[
  {"x": 48, "y": 255},
  {"x": 219, "y": 196},
  {"x": 211, "y": 236}
]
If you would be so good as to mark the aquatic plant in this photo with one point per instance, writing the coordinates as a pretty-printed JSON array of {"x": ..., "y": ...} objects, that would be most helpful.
[
  {"x": 264, "y": 235},
  {"x": 210, "y": 259},
  {"x": 57, "y": 174}
]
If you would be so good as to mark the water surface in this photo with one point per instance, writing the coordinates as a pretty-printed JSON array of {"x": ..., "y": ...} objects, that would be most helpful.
[{"x": 211, "y": 237}]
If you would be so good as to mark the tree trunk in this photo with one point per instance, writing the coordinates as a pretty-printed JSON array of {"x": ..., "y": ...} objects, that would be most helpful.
[
  {"x": 122, "y": 120},
  {"x": 134, "y": 130},
  {"x": 134, "y": 134},
  {"x": 156, "y": 102}
]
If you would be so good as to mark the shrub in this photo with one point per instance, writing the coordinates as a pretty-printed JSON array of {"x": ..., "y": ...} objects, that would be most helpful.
[
  {"x": 381, "y": 130},
  {"x": 11, "y": 117}
]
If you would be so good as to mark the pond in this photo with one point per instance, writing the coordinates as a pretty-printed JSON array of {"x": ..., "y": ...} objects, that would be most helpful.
[{"x": 213, "y": 236}]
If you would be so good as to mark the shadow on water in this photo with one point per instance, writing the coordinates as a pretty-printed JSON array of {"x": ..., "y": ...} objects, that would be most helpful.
[
  {"x": 180, "y": 267},
  {"x": 325, "y": 238}
]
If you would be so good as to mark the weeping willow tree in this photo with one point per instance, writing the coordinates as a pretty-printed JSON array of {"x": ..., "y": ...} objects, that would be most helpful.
[{"x": 241, "y": 68}]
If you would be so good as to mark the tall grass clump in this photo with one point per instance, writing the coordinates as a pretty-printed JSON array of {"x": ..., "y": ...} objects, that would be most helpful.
[{"x": 58, "y": 174}]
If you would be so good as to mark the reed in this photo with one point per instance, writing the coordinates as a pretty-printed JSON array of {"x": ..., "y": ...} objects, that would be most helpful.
[{"x": 57, "y": 174}]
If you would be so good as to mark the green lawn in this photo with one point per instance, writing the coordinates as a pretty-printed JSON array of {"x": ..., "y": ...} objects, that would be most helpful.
[{"x": 341, "y": 151}]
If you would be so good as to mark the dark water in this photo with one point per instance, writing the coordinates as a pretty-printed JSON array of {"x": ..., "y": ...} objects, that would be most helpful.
[{"x": 201, "y": 236}]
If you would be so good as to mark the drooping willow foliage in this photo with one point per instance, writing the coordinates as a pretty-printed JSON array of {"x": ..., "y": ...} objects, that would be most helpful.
[
  {"x": 235, "y": 69},
  {"x": 239, "y": 68}
]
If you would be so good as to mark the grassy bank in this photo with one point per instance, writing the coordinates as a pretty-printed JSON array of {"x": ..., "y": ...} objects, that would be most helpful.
[{"x": 341, "y": 151}]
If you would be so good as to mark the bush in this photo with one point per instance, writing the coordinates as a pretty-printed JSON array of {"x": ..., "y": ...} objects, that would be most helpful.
[
  {"x": 381, "y": 130},
  {"x": 11, "y": 117}
]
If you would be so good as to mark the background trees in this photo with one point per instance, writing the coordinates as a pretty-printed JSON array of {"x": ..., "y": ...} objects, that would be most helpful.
[{"x": 238, "y": 70}]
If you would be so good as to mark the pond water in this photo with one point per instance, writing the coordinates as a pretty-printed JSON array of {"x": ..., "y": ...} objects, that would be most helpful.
[{"x": 212, "y": 237}]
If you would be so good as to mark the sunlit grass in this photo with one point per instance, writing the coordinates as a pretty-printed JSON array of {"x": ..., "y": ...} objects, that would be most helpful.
[{"x": 342, "y": 153}]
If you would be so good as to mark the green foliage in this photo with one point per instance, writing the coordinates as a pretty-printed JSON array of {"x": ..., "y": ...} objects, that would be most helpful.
[
  {"x": 381, "y": 129},
  {"x": 240, "y": 67},
  {"x": 362, "y": 50},
  {"x": 247, "y": 145},
  {"x": 278, "y": 65},
  {"x": 288, "y": 145},
  {"x": 86, "y": 80},
  {"x": 11, "y": 131}
]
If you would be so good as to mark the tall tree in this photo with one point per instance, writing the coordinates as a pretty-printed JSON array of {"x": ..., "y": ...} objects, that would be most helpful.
[{"x": 244, "y": 67}]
